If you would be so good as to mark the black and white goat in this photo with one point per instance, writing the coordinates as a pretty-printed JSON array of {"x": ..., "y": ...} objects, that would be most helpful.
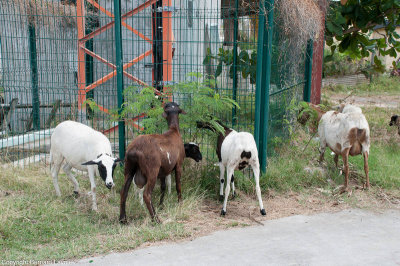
[
  {"x": 84, "y": 149},
  {"x": 235, "y": 151}
]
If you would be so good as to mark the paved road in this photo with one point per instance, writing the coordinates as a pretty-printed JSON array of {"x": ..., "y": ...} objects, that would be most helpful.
[{"x": 351, "y": 237}]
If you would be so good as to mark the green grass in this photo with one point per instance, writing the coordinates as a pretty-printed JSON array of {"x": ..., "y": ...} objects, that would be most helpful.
[
  {"x": 35, "y": 224},
  {"x": 380, "y": 85}
]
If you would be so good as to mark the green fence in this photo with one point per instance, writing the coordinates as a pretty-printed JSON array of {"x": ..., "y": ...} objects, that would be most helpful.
[{"x": 56, "y": 54}]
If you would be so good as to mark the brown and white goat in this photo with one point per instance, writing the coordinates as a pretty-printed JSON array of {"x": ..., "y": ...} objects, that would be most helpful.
[
  {"x": 395, "y": 121},
  {"x": 153, "y": 156},
  {"x": 345, "y": 134}
]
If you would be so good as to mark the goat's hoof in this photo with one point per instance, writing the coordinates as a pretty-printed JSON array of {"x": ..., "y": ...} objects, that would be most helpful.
[
  {"x": 76, "y": 194},
  {"x": 233, "y": 195},
  {"x": 123, "y": 220},
  {"x": 223, "y": 212},
  {"x": 263, "y": 212},
  {"x": 221, "y": 197},
  {"x": 366, "y": 186},
  {"x": 156, "y": 220},
  {"x": 345, "y": 189}
]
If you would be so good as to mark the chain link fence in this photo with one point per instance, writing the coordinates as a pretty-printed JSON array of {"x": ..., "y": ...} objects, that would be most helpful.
[{"x": 54, "y": 55}]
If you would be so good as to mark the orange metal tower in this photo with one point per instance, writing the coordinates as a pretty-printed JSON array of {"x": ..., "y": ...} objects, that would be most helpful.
[{"x": 167, "y": 39}]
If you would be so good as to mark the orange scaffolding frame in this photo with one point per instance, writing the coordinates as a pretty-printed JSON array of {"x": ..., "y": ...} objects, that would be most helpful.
[{"x": 167, "y": 39}]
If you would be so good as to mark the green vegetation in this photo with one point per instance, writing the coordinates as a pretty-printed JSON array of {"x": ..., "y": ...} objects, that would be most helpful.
[
  {"x": 380, "y": 85},
  {"x": 339, "y": 64},
  {"x": 351, "y": 22}
]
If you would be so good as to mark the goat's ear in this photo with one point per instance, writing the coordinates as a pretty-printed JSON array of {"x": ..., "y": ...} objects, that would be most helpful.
[
  {"x": 164, "y": 114},
  {"x": 90, "y": 163},
  {"x": 181, "y": 111}
]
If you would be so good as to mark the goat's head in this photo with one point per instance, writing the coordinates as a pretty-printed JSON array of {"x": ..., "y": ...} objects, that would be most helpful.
[
  {"x": 192, "y": 151},
  {"x": 171, "y": 112},
  {"x": 339, "y": 108},
  {"x": 395, "y": 121},
  {"x": 106, "y": 165},
  {"x": 309, "y": 111},
  {"x": 172, "y": 108}
]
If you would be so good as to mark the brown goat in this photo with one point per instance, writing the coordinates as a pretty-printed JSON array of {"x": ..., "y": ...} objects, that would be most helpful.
[{"x": 153, "y": 156}]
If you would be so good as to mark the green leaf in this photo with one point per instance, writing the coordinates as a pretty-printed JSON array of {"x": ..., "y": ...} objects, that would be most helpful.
[
  {"x": 340, "y": 19},
  {"x": 345, "y": 44},
  {"x": 218, "y": 71}
]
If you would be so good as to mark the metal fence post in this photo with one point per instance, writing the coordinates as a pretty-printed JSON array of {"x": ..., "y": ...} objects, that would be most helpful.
[
  {"x": 269, "y": 7},
  {"x": 34, "y": 76},
  {"x": 259, "y": 75},
  {"x": 235, "y": 56},
  {"x": 308, "y": 71},
  {"x": 120, "y": 78},
  {"x": 264, "y": 56}
]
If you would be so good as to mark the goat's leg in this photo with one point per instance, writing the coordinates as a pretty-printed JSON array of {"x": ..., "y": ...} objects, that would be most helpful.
[
  {"x": 322, "y": 148},
  {"x": 230, "y": 171},
  {"x": 92, "y": 187},
  {"x": 124, "y": 195},
  {"x": 67, "y": 169},
  {"x": 366, "y": 185},
  {"x": 233, "y": 186},
  {"x": 168, "y": 181},
  {"x": 256, "y": 172},
  {"x": 178, "y": 173},
  {"x": 55, "y": 169},
  {"x": 336, "y": 160},
  {"x": 221, "y": 181},
  {"x": 151, "y": 181},
  {"x": 163, "y": 187},
  {"x": 345, "y": 155}
]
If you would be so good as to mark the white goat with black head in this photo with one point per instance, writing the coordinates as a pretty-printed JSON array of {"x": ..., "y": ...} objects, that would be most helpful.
[
  {"x": 84, "y": 149},
  {"x": 235, "y": 151}
]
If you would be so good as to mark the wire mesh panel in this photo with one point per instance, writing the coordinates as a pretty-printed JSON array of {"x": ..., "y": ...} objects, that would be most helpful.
[
  {"x": 58, "y": 62},
  {"x": 287, "y": 82}
]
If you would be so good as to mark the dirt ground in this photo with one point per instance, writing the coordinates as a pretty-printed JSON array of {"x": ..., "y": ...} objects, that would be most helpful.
[{"x": 383, "y": 101}]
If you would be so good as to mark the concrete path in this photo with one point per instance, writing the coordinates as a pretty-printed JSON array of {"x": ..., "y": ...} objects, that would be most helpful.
[{"x": 351, "y": 237}]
